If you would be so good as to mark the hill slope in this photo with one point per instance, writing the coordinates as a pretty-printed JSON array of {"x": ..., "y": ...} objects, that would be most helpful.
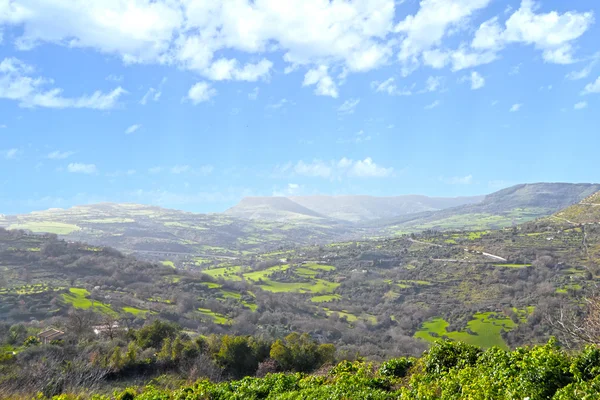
[
  {"x": 586, "y": 211},
  {"x": 362, "y": 208},
  {"x": 147, "y": 230},
  {"x": 271, "y": 209},
  {"x": 506, "y": 207}
]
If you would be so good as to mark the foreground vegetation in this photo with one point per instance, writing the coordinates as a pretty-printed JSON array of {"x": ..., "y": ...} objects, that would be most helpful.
[{"x": 446, "y": 371}]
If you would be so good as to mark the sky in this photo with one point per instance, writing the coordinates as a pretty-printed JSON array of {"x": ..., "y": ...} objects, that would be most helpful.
[{"x": 194, "y": 104}]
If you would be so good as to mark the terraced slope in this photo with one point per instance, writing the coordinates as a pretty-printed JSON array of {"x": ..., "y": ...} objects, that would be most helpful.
[{"x": 585, "y": 212}]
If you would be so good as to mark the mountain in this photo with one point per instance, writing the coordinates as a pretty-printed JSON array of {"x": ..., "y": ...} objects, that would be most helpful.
[
  {"x": 271, "y": 209},
  {"x": 159, "y": 232},
  {"x": 345, "y": 208},
  {"x": 267, "y": 224},
  {"x": 503, "y": 208}
]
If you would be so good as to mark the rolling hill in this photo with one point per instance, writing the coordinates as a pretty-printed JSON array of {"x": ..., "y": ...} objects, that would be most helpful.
[
  {"x": 267, "y": 224},
  {"x": 345, "y": 208},
  {"x": 513, "y": 205}
]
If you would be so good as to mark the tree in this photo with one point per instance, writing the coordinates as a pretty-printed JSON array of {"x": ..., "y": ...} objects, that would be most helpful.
[
  {"x": 237, "y": 357},
  {"x": 153, "y": 335},
  {"x": 577, "y": 326},
  {"x": 301, "y": 353}
]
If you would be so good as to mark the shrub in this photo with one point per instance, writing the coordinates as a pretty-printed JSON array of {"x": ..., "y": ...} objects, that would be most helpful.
[{"x": 396, "y": 367}]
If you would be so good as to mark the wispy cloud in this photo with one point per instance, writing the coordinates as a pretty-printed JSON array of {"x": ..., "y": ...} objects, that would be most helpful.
[
  {"x": 10, "y": 154},
  {"x": 581, "y": 105},
  {"x": 79, "y": 168},
  {"x": 18, "y": 84},
  {"x": 153, "y": 94},
  {"x": 432, "y": 105},
  {"x": 348, "y": 106},
  {"x": 593, "y": 87},
  {"x": 60, "y": 155},
  {"x": 253, "y": 95},
  {"x": 133, "y": 128},
  {"x": 389, "y": 86},
  {"x": 335, "y": 169},
  {"x": 278, "y": 105},
  {"x": 516, "y": 107}
]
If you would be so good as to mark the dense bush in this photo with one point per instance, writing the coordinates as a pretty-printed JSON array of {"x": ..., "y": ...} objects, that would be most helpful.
[{"x": 448, "y": 371}]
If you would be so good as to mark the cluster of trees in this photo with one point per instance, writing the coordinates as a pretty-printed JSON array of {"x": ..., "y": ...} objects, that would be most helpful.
[
  {"x": 83, "y": 360},
  {"x": 447, "y": 371}
]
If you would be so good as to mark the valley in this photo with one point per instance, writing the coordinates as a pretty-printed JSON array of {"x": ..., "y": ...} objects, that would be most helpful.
[{"x": 485, "y": 287}]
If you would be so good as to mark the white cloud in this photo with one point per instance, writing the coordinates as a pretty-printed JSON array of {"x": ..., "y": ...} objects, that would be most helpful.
[
  {"x": 155, "y": 170},
  {"x": 278, "y": 105},
  {"x": 348, "y": 106},
  {"x": 184, "y": 169},
  {"x": 16, "y": 83},
  {"x": 200, "y": 92},
  {"x": 60, "y": 155},
  {"x": 552, "y": 32},
  {"x": 585, "y": 72},
  {"x": 253, "y": 95},
  {"x": 114, "y": 78},
  {"x": 323, "y": 37},
  {"x": 389, "y": 86},
  {"x": 580, "y": 106},
  {"x": 82, "y": 168},
  {"x": 290, "y": 190},
  {"x": 228, "y": 69},
  {"x": 132, "y": 129},
  {"x": 367, "y": 168},
  {"x": 325, "y": 86},
  {"x": 477, "y": 81},
  {"x": 336, "y": 169},
  {"x": 458, "y": 180},
  {"x": 593, "y": 87},
  {"x": 516, "y": 107},
  {"x": 426, "y": 29},
  {"x": 433, "y": 83},
  {"x": 432, "y": 105},
  {"x": 152, "y": 94},
  {"x": 10, "y": 154},
  {"x": 3, "y": 126}
]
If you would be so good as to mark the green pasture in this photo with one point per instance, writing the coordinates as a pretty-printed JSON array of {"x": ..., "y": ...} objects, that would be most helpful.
[
  {"x": 485, "y": 326},
  {"x": 58, "y": 228},
  {"x": 78, "y": 298}
]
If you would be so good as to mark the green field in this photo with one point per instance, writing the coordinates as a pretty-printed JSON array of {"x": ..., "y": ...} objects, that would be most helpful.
[
  {"x": 228, "y": 273},
  {"x": 512, "y": 265},
  {"x": 262, "y": 279},
  {"x": 110, "y": 221},
  {"x": 78, "y": 298},
  {"x": 58, "y": 228},
  {"x": 135, "y": 311},
  {"x": 486, "y": 326},
  {"x": 216, "y": 317},
  {"x": 168, "y": 263}
]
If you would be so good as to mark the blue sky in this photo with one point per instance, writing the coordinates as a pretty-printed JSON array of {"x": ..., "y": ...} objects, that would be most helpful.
[{"x": 194, "y": 104}]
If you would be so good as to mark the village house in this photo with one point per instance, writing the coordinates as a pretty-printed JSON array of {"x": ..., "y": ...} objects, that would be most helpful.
[{"x": 50, "y": 335}]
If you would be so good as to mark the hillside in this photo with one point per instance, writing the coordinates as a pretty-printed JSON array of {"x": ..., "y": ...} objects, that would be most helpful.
[
  {"x": 587, "y": 211},
  {"x": 165, "y": 233},
  {"x": 346, "y": 208},
  {"x": 513, "y": 205},
  {"x": 271, "y": 209},
  {"x": 487, "y": 288}
]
